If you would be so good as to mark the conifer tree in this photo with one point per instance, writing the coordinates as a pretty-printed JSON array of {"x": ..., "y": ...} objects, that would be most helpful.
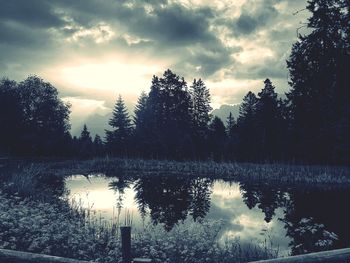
[
  {"x": 247, "y": 128},
  {"x": 230, "y": 125},
  {"x": 217, "y": 138},
  {"x": 268, "y": 122},
  {"x": 201, "y": 107},
  {"x": 117, "y": 140},
  {"x": 318, "y": 102}
]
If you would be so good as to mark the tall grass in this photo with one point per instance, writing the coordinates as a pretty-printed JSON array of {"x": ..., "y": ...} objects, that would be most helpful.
[
  {"x": 281, "y": 173},
  {"x": 60, "y": 229}
]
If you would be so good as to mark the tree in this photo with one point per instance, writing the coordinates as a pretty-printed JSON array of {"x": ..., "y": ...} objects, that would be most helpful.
[
  {"x": 201, "y": 107},
  {"x": 11, "y": 117},
  {"x": 269, "y": 123},
  {"x": 85, "y": 143},
  {"x": 141, "y": 122},
  {"x": 98, "y": 145},
  {"x": 217, "y": 138},
  {"x": 230, "y": 125},
  {"x": 200, "y": 114},
  {"x": 118, "y": 138},
  {"x": 169, "y": 117},
  {"x": 318, "y": 102},
  {"x": 37, "y": 119},
  {"x": 231, "y": 130},
  {"x": 247, "y": 128},
  {"x": 140, "y": 111}
]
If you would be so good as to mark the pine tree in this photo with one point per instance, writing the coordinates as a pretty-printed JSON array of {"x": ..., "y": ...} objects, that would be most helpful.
[
  {"x": 268, "y": 122},
  {"x": 85, "y": 143},
  {"x": 319, "y": 98},
  {"x": 230, "y": 125},
  {"x": 98, "y": 145},
  {"x": 140, "y": 111},
  {"x": 247, "y": 128},
  {"x": 201, "y": 107},
  {"x": 85, "y": 136},
  {"x": 200, "y": 116},
  {"x": 217, "y": 138},
  {"x": 142, "y": 134},
  {"x": 169, "y": 117},
  {"x": 118, "y": 138}
]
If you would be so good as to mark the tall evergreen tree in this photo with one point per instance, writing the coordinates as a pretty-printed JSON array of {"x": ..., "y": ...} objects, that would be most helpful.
[
  {"x": 169, "y": 116},
  {"x": 85, "y": 136},
  {"x": 201, "y": 107},
  {"x": 142, "y": 135},
  {"x": 140, "y": 111},
  {"x": 319, "y": 98},
  {"x": 232, "y": 134},
  {"x": 217, "y": 138},
  {"x": 85, "y": 144},
  {"x": 98, "y": 145},
  {"x": 247, "y": 128},
  {"x": 118, "y": 139},
  {"x": 230, "y": 125},
  {"x": 269, "y": 122},
  {"x": 201, "y": 115}
]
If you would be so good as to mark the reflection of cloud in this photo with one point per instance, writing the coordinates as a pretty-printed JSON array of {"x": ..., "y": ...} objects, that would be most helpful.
[{"x": 227, "y": 205}]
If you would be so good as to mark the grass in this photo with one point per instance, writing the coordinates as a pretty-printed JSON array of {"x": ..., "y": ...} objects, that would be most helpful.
[
  {"x": 280, "y": 173},
  {"x": 60, "y": 229}
]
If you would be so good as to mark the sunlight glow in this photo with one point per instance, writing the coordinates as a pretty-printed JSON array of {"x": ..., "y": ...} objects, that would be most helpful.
[{"x": 110, "y": 75}]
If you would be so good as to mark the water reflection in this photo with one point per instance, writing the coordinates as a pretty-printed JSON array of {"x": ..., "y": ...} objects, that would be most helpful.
[
  {"x": 315, "y": 218},
  {"x": 306, "y": 220},
  {"x": 168, "y": 200}
]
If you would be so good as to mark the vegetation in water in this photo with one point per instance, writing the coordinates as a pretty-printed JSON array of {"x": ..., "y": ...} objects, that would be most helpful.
[{"x": 60, "y": 229}]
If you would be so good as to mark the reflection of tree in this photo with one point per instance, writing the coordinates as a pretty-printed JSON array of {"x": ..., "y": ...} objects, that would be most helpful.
[
  {"x": 170, "y": 199},
  {"x": 119, "y": 187},
  {"x": 312, "y": 218},
  {"x": 200, "y": 191},
  {"x": 265, "y": 196}
]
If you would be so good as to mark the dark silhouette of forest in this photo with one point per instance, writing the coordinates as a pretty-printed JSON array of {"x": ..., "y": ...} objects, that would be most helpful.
[{"x": 173, "y": 120}]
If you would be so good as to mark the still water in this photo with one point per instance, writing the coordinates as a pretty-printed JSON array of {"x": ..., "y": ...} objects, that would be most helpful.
[{"x": 293, "y": 219}]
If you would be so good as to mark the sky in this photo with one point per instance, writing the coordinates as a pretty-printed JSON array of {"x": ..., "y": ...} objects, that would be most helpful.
[{"x": 93, "y": 50}]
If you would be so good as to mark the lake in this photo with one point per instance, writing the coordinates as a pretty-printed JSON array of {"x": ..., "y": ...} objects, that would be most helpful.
[{"x": 295, "y": 219}]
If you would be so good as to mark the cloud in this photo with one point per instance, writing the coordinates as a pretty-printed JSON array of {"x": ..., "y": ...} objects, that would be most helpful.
[
  {"x": 232, "y": 45},
  {"x": 35, "y": 13}
]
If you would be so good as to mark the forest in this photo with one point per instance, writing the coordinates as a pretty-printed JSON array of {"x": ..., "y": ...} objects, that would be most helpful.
[{"x": 310, "y": 124}]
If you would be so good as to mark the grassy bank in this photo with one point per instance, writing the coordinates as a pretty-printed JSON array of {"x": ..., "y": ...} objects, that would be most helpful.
[
  {"x": 280, "y": 173},
  {"x": 60, "y": 229}
]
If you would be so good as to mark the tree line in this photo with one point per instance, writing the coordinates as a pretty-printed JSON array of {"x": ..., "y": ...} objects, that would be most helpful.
[{"x": 173, "y": 121}]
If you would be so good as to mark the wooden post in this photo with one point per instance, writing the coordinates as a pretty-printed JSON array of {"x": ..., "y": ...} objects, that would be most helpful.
[{"x": 125, "y": 232}]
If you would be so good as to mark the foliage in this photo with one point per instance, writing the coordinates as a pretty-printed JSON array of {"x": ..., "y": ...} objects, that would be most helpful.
[
  {"x": 55, "y": 228},
  {"x": 309, "y": 236},
  {"x": 318, "y": 103},
  {"x": 38, "y": 119}
]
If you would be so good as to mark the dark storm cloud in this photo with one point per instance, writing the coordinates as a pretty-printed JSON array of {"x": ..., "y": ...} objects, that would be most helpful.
[
  {"x": 22, "y": 35},
  {"x": 37, "y": 13},
  {"x": 47, "y": 31},
  {"x": 253, "y": 18}
]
